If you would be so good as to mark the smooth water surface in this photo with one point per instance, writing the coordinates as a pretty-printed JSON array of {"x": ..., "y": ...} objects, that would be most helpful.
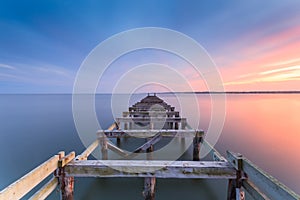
[{"x": 265, "y": 128}]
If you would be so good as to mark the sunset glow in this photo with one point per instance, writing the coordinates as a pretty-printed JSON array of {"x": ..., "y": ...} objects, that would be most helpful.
[{"x": 253, "y": 48}]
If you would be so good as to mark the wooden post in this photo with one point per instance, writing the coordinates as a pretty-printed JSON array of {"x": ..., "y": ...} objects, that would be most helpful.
[
  {"x": 176, "y": 125},
  {"x": 66, "y": 186},
  {"x": 183, "y": 123},
  {"x": 171, "y": 125},
  {"x": 149, "y": 188},
  {"x": 66, "y": 183},
  {"x": 118, "y": 141},
  {"x": 130, "y": 125},
  {"x": 235, "y": 191},
  {"x": 151, "y": 125},
  {"x": 103, "y": 144},
  {"x": 196, "y": 145},
  {"x": 149, "y": 182},
  {"x": 117, "y": 125},
  {"x": 231, "y": 192},
  {"x": 149, "y": 153}
]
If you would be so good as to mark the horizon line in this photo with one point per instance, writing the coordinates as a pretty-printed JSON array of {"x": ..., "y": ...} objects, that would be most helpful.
[{"x": 180, "y": 92}]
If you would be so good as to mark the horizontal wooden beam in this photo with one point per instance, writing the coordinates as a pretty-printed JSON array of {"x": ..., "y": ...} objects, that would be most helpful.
[
  {"x": 46, "y": 190},
  {"x": 148, "y": 119},
  {"x": 270, "y": 186},
  {"x": 151, "y": 133},
  {"x": 150, "y": 168},
  {"x": 22, "y": 186},
  {"x": 150, "y": 112}
]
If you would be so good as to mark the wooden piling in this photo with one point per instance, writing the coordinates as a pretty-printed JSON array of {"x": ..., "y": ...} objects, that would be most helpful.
[
  {"x": 66, "y": 182},
  {"x": 196, "y": 146},
  {"x": 235, "y": 191},
  {"x": 103, "y": 144},
  {"x": 66, "y": 186},
  {"x": 149, "y": 182},
  {"x": 149, "y": 188},
  {"x": 176, "y": 126}
]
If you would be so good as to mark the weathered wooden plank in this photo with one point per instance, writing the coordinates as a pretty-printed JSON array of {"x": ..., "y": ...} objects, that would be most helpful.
[
  {"x": 117, "y": 149},
  {"x": 147, "y": 107},
  {"x": 159, "y": 169},
  {"x": 114, "y": 125},
  {"x": 66, "y": 159},
  {"x": 150, "y": 133},
  {"x": 213, "y": 152},
  {"x": 148, "y": 119},
  {"x": 149, "y": 143},
  {"x": 46, "y": 190},
  {"x": 85, "y": 154},
  {"x": 270, "y": 186},
  {"x": 170, "y": 113},
  {"x": 254, "y": 192},
  {"x": 22, "y": 186}
]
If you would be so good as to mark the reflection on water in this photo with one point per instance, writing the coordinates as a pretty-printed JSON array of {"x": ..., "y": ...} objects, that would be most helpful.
[{"x": 264, "y": 128}]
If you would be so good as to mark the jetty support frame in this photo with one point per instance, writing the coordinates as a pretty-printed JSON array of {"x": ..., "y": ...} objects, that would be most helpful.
[{"x": 63, "y": 169}]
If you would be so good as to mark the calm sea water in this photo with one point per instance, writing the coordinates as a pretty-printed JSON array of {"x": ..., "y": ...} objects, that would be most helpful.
[{"x": 264, "y": 128}]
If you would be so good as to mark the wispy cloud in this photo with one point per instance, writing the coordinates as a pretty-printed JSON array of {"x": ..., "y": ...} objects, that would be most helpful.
[
  {"x": 284, "y": 69},
  {"x": 283, "y": 63},
  {"x": 6, "y": 66},
  {"x": 38, "y": 74},
  {"x": 276, "y": 75},
  {"x": 51, "y": 70}
]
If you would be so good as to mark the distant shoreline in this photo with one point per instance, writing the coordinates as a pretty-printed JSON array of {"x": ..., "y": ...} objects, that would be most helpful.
[{"x": 235, "y": 92}]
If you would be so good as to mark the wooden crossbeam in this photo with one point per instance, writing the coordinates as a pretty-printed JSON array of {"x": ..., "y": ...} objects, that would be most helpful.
[
  {"x": 148, "y": 119},
  {"x": 151, "y": 112},
  {"x": 22, "y": 186},
  {"x": 151, "y": 133},
  {"x": 150, "y": 142},
  {"x": 84, "y": 155},
  {"x": 116, "y": 149},
  {"x": 150, "y": 168},
  {"x": 114, "y": 125}
]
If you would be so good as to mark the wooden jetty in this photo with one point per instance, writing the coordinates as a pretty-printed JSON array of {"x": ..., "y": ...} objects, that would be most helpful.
[{"x": 152, "y": 119}]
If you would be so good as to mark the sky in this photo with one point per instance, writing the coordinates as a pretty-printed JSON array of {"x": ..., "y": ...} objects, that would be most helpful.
[{"x": 254, "y": 44}]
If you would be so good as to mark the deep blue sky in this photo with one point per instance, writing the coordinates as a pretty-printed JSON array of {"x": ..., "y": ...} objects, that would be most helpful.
[{"x": 43, "y": 43}]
